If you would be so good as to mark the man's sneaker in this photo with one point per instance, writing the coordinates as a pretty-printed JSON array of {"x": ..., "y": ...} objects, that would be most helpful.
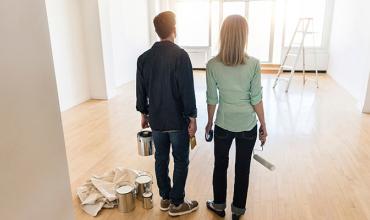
[
  {"x": 185, "y": 208},
  {"x": 210, "y": 206},
  {"x": 165, "y": 204}
]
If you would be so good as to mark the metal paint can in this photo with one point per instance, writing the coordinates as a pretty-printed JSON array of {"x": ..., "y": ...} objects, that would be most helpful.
[
  {"x": 145, "y": 143},
  {"x": 126, "y": 198},
  {"x": 143, "y": 184},
  {"x": 148, "y": 200}
]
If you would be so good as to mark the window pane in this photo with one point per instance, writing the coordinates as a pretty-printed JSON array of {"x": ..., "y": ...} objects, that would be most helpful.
[
  {"x": 232, "y": 8},
  {"x": 296, "y": 9},
  {"x": 215, "y": 27},
  {"x": 259, "y": 20},
  {"x": 192, "y": 22}
]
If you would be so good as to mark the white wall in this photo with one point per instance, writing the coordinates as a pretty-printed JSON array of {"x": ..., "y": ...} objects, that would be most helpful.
[
  {"x": 95, "y": 46},
  {"x": 67, "y": 40},
  {"x": 350, "y": 47},
  {"x": 107, "y": 45},
  {"x": 99, "y": 89},
  {"x": 153, "y": 9},
  {"x": 130, "y": 36},
  {"x": 33, "y": 165},
  {"x": 366, "y": 103}
]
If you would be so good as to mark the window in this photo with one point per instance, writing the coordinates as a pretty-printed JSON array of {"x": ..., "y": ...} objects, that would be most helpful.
[
  {"x": 215, "y": 27},
  {"x": 234, "y": 8},
  {"x": 260, "y": 29},
  {"x": 192, "y": 22},
  {"x": 296, "y": 9},
  {"x": 271, "y": 24},
  {"x": 259, "y": 26}
]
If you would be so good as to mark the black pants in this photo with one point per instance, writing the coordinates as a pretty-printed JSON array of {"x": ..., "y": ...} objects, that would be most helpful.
[{"x": 245, "y": 142}]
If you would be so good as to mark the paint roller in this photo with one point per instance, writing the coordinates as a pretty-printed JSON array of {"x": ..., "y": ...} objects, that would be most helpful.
[{"x": 263, "y": 162}]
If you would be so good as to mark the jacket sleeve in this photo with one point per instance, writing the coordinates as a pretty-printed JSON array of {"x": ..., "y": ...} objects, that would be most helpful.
[
  {"x": 141, "y": 92},
  {"x": 185, "y": 83},
  {"x": 256, "y": 88}
]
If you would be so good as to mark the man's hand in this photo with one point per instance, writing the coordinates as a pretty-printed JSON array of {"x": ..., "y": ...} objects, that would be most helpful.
[
  {"x": 192, "y": 129},
  {"x": 263, "y": 134},
  {"x": 144, "y": 121}
]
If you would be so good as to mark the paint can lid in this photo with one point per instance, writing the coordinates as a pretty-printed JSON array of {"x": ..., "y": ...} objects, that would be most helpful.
[
  {"x": 147, "y": 194},
  {"x": 143, "y": 179},
  {"x": 125, "y": 189},
  {"x": 145, "y": 134}
]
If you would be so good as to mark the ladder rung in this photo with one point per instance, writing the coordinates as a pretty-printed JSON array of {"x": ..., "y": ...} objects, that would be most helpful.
[
  {"x": 292, "y": 54},
  {"x": 295, "y": 45},
  {"x": 286, "y": 67},
  {"x": 307, "y": 32}
]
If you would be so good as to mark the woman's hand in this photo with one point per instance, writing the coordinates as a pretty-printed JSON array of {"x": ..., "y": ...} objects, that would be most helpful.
[
  {"x": 262, "y": 134},
  {"x": 209, "y": 127}
]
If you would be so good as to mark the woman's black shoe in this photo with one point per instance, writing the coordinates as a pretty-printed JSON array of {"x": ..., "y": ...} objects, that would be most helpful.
[
  {"x": 235, "y": 217},
  {"x": 210, "y": 206}
]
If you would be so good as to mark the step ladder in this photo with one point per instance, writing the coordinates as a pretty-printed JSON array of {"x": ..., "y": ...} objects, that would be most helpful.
[{"x": 302, "y": 28}]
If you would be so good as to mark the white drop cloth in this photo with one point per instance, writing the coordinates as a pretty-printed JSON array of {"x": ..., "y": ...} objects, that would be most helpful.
[{"x": 99, "y": 192}]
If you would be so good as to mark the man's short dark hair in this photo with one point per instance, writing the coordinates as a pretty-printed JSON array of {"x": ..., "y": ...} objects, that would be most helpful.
[{"x": 164, "y": 24}]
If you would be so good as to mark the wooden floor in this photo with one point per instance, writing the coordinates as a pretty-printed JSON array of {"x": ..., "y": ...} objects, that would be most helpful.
[{"x": 319, "y": 142}]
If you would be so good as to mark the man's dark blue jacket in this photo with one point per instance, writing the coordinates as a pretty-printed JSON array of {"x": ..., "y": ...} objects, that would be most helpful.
[{"x": 165, "y": 87}]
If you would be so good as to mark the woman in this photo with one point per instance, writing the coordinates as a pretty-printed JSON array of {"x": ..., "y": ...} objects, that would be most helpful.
[{"x": 237, "y": 78}]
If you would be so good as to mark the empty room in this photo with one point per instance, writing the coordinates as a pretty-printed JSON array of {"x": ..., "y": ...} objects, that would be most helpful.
[{"x": 185, "y": 109}]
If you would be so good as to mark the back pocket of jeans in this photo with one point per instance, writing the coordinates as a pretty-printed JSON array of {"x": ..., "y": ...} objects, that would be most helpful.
[
  {"x": 221, "y": 133},
  {"x": 249, "y": 135}
]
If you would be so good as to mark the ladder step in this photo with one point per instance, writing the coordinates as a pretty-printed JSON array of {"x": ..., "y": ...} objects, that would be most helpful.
[
  {"x": 292, "y": 54},
  {"x": 286, "y": 67},
  {"x": 307, "y": 32},
  {"x": 295, "y": 45}
]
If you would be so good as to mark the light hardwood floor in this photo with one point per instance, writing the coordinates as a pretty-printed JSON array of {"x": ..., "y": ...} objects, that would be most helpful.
[{"x": 318, "y": 140}]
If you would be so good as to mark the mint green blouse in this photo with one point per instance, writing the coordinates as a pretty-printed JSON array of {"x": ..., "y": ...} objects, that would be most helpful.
[{"x": 236, "y": 89}]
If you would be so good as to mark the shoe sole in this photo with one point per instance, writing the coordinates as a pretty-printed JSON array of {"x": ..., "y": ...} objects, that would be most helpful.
[
  {"x": 183, "y": 213},
  {"x": 164, "y": 209},
  {"x": 216, "y": 212}
]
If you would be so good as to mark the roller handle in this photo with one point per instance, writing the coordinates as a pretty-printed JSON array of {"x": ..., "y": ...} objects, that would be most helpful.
[
  {"x": 264, "y": 162},
  {"x": 209, "y": 136}
]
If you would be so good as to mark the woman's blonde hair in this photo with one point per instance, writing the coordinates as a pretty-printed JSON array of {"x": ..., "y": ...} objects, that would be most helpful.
[{"x": 233, "y": 39}]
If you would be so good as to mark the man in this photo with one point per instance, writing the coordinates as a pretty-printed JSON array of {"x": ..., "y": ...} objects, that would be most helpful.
[{"x": 166, "y": 100}]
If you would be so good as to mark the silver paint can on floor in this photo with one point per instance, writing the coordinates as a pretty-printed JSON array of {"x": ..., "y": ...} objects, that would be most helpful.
[
  {"x": 143, "y": 184},
  {"x": 126, "y": 197},
  {"x": 148, "y": 200}
]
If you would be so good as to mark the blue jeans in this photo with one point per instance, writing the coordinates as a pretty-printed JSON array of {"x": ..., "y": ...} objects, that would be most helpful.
[{"x": 180, "y": 152}]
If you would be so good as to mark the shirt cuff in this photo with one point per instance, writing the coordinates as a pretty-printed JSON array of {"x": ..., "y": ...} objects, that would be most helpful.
[
  {"x": 192, "y": 115},
  {"x": 212, "y": 101},
  {"x": 256, "y": 99},
  {"x": 142, "y": 110}
]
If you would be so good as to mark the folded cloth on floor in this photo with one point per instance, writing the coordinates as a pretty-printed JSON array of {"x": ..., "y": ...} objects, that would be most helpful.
[{"x": 99, "y": 192}]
